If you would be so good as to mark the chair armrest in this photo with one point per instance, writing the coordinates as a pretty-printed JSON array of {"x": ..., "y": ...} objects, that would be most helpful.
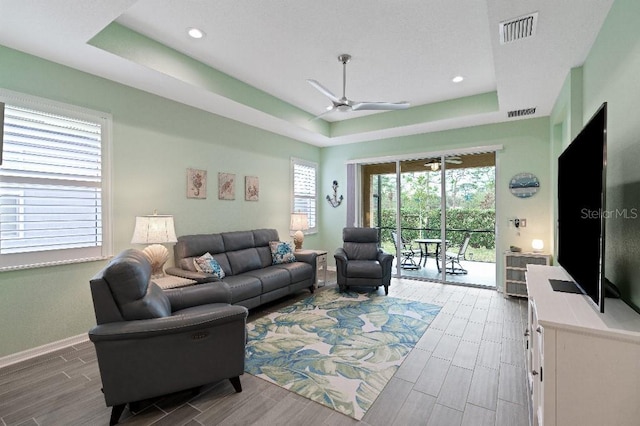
[
  {"x": 385, "y": 258},
  {"x": 340, "y": 255},
  {"x": 200, "y": 277},
  {"x": 208, "y": 316},
  {"x": 306, "y": 257},
  {"x": 199, "y": 294}
]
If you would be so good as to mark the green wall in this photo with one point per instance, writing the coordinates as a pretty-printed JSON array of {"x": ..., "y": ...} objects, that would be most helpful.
[
  {"x": 154, "y": 142},
  {"x": 525, "y": 149}
]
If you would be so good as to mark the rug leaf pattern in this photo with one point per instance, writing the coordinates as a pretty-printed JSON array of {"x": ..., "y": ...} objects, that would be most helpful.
[{"x": 338, "y": 349}]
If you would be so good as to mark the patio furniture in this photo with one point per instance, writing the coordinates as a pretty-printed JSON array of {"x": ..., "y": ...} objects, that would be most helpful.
[
  {"x": 407, "y": 254},
  {"x": 361, "y": 262},
  {"x": 452, "y": 259},
  {"x": 423, "y": 243}
]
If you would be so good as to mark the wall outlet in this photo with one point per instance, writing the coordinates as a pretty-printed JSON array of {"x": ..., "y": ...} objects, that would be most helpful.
[{"x": 523, "y": 223}]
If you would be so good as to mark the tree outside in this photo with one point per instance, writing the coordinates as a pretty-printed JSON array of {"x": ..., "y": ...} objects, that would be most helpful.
[{"x": 470, "y": 208}]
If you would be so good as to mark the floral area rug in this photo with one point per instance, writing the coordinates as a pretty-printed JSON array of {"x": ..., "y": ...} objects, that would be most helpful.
[{"x": 338, "y": 349}]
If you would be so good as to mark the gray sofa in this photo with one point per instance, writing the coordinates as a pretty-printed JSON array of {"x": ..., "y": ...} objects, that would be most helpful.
[
  {"x": 245, "y": 257},
  {"x": 151, "y": 342}
]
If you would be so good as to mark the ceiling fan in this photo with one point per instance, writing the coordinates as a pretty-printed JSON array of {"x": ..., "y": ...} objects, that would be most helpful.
[
  {"x": 434, "y": 164},
  {"x": 344, "y": 104}
]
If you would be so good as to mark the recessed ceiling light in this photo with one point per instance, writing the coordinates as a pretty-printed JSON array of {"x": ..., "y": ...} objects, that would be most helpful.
[
  {"x": 457, "y": 79},
  {"x": 195, "y": 33}
]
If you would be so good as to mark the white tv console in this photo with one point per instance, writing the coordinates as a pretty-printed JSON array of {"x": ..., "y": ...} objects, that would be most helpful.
[{"x": 583, "y": 366}]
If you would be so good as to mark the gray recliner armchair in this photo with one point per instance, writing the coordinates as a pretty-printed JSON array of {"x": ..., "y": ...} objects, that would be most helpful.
[
  {"x": 151, "y": 342},
  {"x": 361, "y": 262}
]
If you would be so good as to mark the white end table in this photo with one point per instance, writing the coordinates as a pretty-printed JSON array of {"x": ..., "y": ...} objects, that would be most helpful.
[{"x": 321, "y": 263}]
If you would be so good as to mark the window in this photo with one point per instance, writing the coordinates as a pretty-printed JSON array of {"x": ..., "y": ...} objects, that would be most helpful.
[
  {"x": 304, "y": 200},
  {"x": 53, "y": 183}
]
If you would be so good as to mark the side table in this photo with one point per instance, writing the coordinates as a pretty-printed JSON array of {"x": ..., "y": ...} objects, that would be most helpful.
[
  {"x": 321, "y": 263},
  {"x": 171, "y": 281}
]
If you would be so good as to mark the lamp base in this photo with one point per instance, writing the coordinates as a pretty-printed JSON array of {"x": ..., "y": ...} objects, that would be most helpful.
[
  {"x": 158, "y": 256},
  {"x": 298, "y": 238}
]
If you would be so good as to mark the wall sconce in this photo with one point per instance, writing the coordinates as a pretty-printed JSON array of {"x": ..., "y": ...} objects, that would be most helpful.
[
  {"x": 537, "y": 245},
  {"x": 335, "y": 201},
  {"x": 299, "y": 223},
  {"x": 155, "y": 230}
]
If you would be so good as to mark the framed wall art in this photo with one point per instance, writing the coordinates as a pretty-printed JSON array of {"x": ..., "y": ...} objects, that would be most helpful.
[
  {"x": 226, "y": 186},
  {"x": 196, "y": 183},
  {"x": 251, "y": 188}
]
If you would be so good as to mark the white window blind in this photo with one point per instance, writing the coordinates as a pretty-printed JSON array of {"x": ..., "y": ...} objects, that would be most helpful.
[
  {"x": 51, "y": 187},
  {"x": 304, "y": 200}
]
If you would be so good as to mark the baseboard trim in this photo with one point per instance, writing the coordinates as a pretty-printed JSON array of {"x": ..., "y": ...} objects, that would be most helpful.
[{"x": 42, "y": 350}]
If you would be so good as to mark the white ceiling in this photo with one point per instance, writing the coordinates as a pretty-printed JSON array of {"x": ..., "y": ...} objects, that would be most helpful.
[{"x": 402, "y": 51}]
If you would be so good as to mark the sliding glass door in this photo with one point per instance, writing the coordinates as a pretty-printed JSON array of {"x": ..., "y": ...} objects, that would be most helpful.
[{"x": 437, "y": 214}]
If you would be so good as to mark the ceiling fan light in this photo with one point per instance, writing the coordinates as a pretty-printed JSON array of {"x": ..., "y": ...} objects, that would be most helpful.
[{"x": 343, "y": 108}]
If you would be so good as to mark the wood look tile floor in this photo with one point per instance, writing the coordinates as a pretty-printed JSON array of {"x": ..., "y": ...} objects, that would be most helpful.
[{"x": 468, "y": 369}]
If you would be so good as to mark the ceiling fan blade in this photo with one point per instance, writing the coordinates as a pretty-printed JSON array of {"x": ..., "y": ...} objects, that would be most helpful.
[
  {"x": 320, "y": 88},
  {"x": 323, "y": 114},
  {"x": 379, "y": 106}
]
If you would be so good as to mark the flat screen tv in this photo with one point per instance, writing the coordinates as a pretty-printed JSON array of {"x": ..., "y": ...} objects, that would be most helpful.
[{"x": 581, "y": 210}]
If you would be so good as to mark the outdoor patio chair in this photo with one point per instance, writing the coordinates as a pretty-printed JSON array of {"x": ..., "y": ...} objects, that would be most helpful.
[
  {"x": 407, "y": 253},
  {"x": 452, "y": 259}
]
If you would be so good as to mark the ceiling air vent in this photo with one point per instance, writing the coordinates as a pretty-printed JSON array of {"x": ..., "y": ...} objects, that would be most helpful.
[
  {"x": 521, "y": 112},
  {"x": 518, "y": 28}
]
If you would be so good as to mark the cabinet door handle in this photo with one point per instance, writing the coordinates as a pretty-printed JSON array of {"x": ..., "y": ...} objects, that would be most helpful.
[
  {"x": 534, "y": 372},
  {"x": 526, "y": 333},
  {"x": 539, "y": 329}
]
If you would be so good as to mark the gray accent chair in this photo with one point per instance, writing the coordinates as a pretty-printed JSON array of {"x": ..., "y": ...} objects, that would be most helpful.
[
  {"x": 151, "y": 342},
  {"x": 361, "y": 261}
]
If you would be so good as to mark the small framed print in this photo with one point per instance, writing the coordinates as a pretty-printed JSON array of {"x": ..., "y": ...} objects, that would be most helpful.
[
  {"x": 251, "y": 188},
  {"x": 196, "y": 183},
  {"x": 226, "y": 186}
]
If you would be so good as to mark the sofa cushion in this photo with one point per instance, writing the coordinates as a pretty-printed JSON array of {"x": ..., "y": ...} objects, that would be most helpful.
[
  {"x": 271, "y": 278},
  {"x": 128, "y": 276},
  {"x": 238, "y": 240},
  {"x": 281, "y": 252},
  {"x": 364, "y": 269},
  {"x": 298, "y": 271},
  {"x": 197, "y": 245},
  {"x": 244, "y": 260},
  {"x": 243, "y": 287},
  {"x": 361, "y": 251},
  {"x": 262, "y": 237}
]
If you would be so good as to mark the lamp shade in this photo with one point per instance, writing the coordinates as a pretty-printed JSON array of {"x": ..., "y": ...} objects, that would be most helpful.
[
  {"x": 154, "y": 229},
  {"x": 299, "y": 222},
  {"x": 537, "y": 245}
]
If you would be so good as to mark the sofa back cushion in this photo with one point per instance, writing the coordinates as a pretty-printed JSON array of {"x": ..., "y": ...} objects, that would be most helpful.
[
  {"x": 128, "y": 276},
  {"x": 197, "y": 245},
  {"x": 244, "y": 260},
  {"x": 360, "y": 243},
  {"x": 262, "y": 238}
]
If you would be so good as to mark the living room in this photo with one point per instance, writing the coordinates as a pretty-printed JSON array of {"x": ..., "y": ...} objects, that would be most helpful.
[{"x": 155, "y": 141}]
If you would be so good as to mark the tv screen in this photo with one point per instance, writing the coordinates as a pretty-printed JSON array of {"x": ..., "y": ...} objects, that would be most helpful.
[{"x": 581, "y": 207}]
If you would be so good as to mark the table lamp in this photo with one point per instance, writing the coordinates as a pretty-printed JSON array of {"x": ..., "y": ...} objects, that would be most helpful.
[
  {"x": 299, "y": 223},
  {"x": 155, "y": 230},
  {"x": 537, "y": 245}
]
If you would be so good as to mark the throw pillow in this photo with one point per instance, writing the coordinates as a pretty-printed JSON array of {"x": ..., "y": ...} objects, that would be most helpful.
[
  {"x": 281, "y": 252},
  {"x": 207, "y": 264}
]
